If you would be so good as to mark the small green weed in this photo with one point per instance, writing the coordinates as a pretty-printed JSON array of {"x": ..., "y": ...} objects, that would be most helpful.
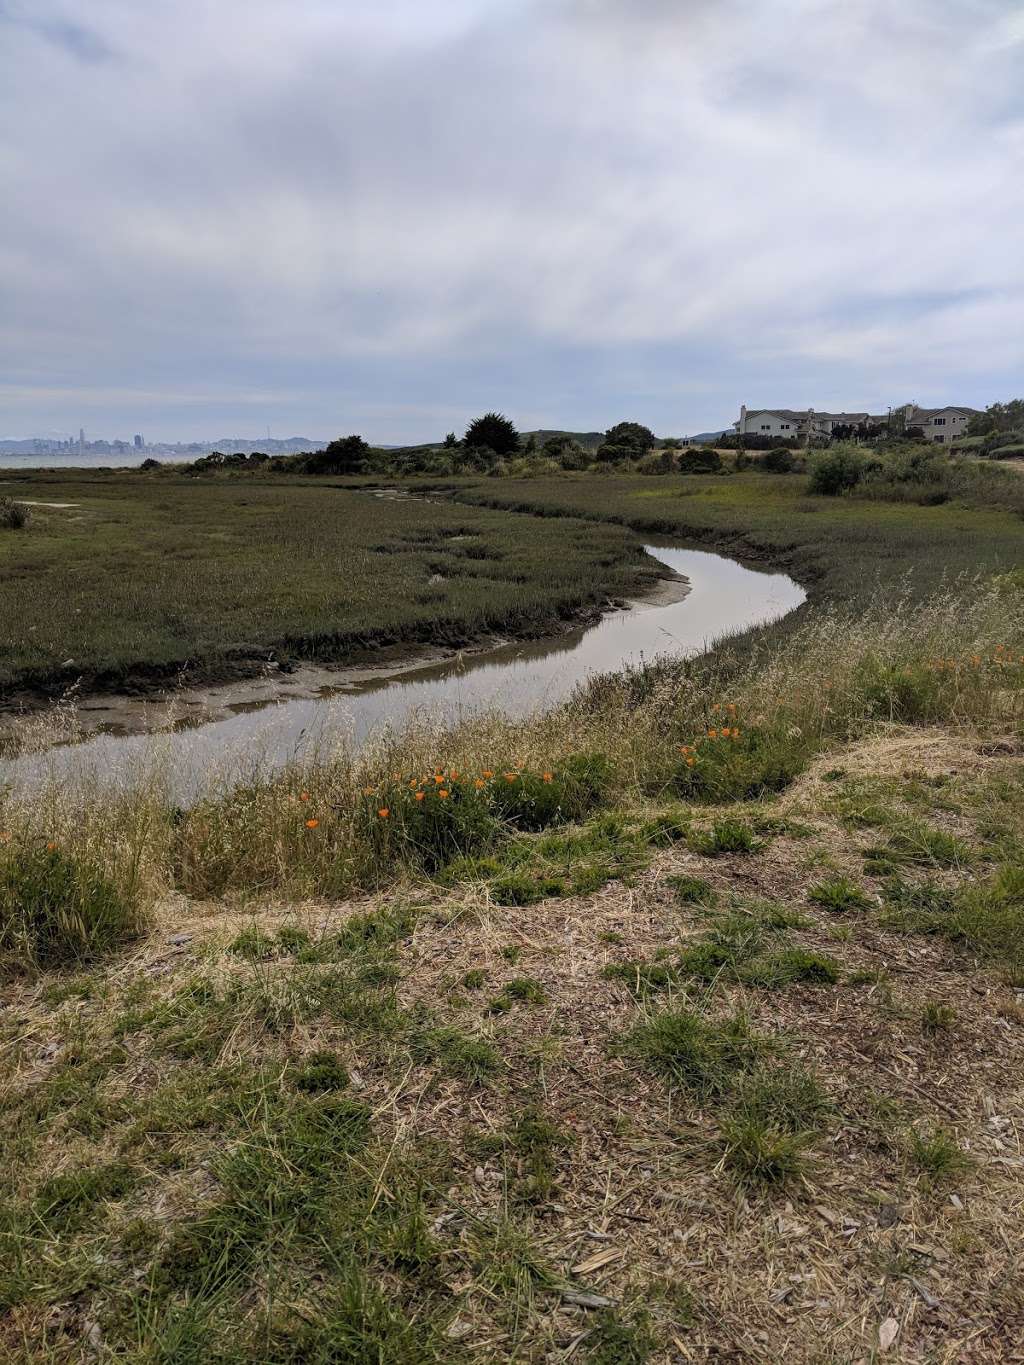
[
  {"x": 937, "y": 1018},
  {"x": 937, "y": 1155},
  {"x": 520, "y": 990},
  {"x": 615, "y": 1341}
]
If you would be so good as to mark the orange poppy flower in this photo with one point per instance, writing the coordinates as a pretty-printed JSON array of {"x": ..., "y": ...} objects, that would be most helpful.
[
  {"x": 438, "y": 779},
  {"x": 511, "y": 777},
  {"x": 479, "y": 784},
  {"x": 312, "y": 824},
  {"x": 488, "y": 772},
  {"x": 420, "y": 796},
  {"x": 51, "y": 847},
  {"x": 384, "y": 812},
  {"x": 735, "y": 734},
  {"x": 690, "y": 761},
  {"x": 712, "y": 734},
  {"x": 303, "y": 796},
  {"x": 546, "y": 777},
  {"x": 724, "y": 732},
  {"x": 443, "y": 794}
]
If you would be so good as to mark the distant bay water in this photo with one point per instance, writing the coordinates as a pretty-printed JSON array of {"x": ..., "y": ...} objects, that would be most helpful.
[{"x": 87, "y": 460}]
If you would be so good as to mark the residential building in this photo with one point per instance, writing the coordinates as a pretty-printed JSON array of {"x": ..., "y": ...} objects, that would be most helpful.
[
  {"x": 942, "y": 425},
  {"x": 934, "y": 424},
  {"x": 790, "y": 423}
]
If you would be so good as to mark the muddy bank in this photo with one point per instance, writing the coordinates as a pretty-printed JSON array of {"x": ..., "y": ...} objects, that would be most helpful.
[{"x": 187, "y": 695}]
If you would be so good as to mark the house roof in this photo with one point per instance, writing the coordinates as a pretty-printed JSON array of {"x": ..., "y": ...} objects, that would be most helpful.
[
  {"x": 926, "y": 414},
  {"x": 791, "y": 415}
]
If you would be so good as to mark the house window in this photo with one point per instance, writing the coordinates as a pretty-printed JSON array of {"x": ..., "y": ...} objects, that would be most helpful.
[
  {"x": 940, "y": 439},
  {"x": 785, "y": 426},
  {"x": 766, "y": 426},
  {"x": 938, "y": 421}
]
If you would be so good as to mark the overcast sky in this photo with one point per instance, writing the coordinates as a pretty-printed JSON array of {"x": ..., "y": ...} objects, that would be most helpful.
[{"x": 325, "y": 216}]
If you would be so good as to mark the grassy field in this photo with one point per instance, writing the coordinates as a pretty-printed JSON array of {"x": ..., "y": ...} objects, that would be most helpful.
[
  {"x": 136, "y": 578},
  {"x": 682, "y": 1023}
]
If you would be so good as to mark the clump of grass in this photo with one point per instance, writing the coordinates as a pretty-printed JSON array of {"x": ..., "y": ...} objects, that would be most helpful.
[
  {"x": 915, "y": 846},
  {"x": 572, "y": 862},
  {"x": 531, "y": 1145},
  {"x": 937, "y": 1018},
  {"x": 615, "y": 1341},
  {"x": 937, "y": 1154},
  {"x": 838, "y": 895},
  {"x": 321, "y": 1071},
  {"x": 474, "y": 978},
  {"x": 985, "y": 918},
  {"x": 459, "y": 1053},
  {"x": 643, "y": 978},
  {"x": 772, "y": 1121},
  {"x": 508, "y": 1268},
  {"x": 57, "y": 908},
  {"x": 520, "y": 990},
  {"x": 693, "y": 1051},
  {"x": 790, "y": 965},
  {"x": 692, "y": 890},
  {"x": 67, "y": 1201},
  {"x": 725, "y": 836},
  {"x": 758, "y": 1153}
]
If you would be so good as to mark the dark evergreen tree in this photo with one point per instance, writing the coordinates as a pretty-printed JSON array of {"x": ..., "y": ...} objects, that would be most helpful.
[{"x": 495, "y": 432}]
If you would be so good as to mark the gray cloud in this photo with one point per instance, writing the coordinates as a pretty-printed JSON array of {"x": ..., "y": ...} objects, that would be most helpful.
[{"x": 386, "y": 216}]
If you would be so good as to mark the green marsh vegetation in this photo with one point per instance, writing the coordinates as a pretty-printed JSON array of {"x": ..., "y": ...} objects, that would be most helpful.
[{"x": 144, "y": 576}]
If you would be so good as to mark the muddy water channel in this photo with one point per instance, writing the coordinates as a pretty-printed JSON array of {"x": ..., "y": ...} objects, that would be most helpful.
[{"x": 201, "y": 741}]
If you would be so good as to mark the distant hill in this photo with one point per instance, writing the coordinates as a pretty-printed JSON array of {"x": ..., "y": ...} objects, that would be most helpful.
[
  {"x": 589, "y": 440},
  {"x": 705, "y": 436}
]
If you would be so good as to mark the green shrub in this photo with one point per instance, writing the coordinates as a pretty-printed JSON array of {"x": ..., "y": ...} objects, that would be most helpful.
[
  {"x": 56, "y": 908},
  {"x": 13, "y": 515},
  {"x": 840, "y": 469},
  {"x": 742, "y": 766},
  {"x": 699, "y": 460},
  {"x": 535, "y": 801}
]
